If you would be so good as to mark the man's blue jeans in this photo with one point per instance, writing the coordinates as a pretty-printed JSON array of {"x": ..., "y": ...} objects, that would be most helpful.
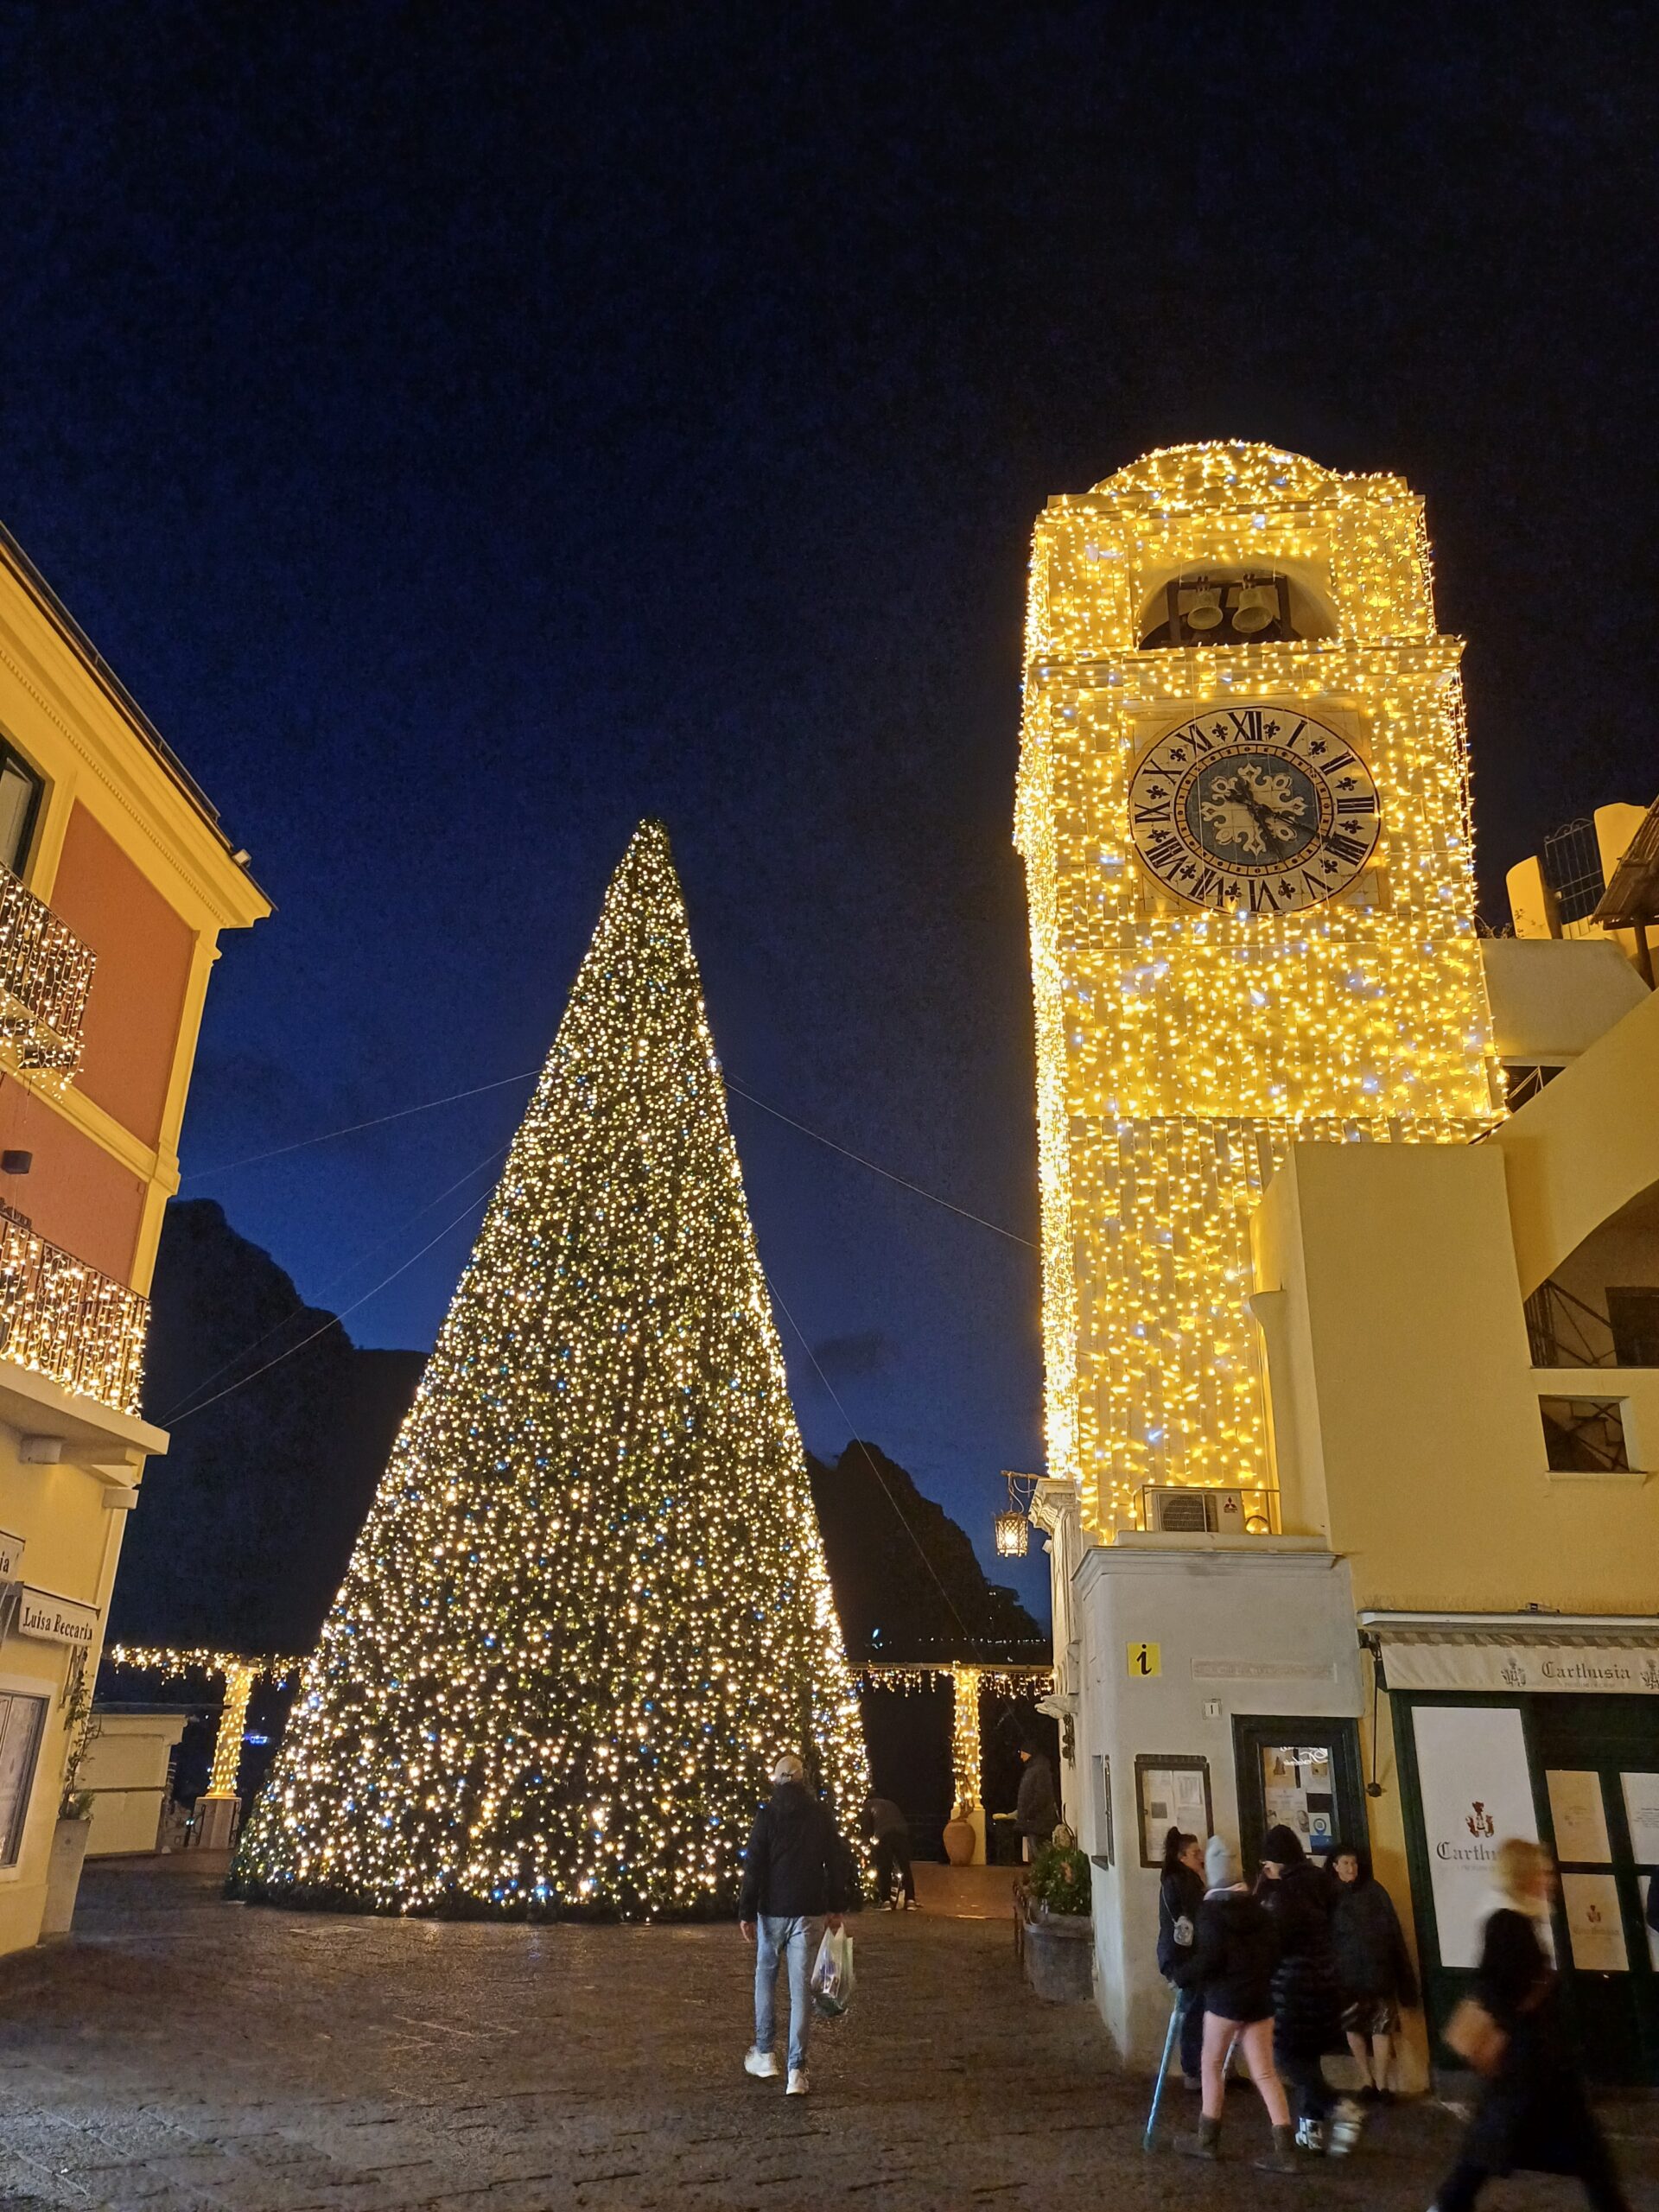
[{"x": 798, "y": 1940}]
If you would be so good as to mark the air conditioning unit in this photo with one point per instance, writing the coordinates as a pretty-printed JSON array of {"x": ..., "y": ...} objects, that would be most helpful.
[{"x": 1170, "y": 1512}]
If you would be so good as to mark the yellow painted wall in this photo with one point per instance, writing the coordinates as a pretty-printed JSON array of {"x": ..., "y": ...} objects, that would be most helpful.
[
  {"x": 1585, "y": 1147},
  {"x": 123, "y": 834},
  {"x": 1406, "y": 1410}
]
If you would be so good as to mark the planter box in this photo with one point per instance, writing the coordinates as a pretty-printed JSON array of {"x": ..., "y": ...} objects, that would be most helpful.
[
  {"x": 1059, "y": 1956},
  {"x": 63, "y": 1877}
]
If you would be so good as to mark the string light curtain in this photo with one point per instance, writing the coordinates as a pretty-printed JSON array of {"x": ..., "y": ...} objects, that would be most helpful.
[
  {"x": 590, "y": 1600},
  {"x": 1181, "y": 1051}
]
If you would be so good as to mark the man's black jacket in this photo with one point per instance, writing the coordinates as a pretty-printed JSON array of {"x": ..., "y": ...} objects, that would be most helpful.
[{"x": 796, "y": 1866}]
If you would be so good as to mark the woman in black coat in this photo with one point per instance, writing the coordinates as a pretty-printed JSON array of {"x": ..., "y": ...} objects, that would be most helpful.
[
  {"x": 1180, "y": 1892},
  {"x": 1373, "y": 1968},
  {"x": 1534, "y": 2111},
  {"x": 1307, "y": 2000}
]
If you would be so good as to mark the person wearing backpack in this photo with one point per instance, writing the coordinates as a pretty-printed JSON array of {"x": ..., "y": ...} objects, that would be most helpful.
[
  {"x": 1234, "y": 1953},
  {"x": 1180, "y": 1892},
  {"x": 796, "y": 1881}
]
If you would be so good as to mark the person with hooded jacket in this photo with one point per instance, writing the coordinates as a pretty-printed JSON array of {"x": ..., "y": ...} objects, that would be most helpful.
[
  {"x": 796, "y": 1881},
  {"x": 1231, "y": 1971},
  {"x": 1306, "y": 1999},
  {"x": 1180, "y": 1892},
  {"x": 1374, "y": 1969}
]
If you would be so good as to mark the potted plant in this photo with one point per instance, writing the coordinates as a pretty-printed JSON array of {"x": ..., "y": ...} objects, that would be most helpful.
[
  {"x": 75, "y": 1824},
  {"x": 1059, "y": 1930}
]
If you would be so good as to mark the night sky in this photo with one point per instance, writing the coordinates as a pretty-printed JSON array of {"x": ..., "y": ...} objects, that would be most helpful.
[{"x": 468, "y": 430}]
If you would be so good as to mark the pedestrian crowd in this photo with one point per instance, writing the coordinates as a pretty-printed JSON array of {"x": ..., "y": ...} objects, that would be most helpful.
[
  {"x": 1277, "y": 1974},
  {"x": 1274, "y": 1976}
]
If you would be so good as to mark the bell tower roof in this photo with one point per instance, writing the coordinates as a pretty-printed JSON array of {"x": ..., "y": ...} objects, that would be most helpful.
[{"x": 1233, "y": 472}]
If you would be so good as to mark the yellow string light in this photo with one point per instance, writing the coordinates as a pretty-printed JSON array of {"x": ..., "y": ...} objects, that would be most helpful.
[
  {"x": 1181, "y": 1051},
  {"x": 590, "y": 1601}
]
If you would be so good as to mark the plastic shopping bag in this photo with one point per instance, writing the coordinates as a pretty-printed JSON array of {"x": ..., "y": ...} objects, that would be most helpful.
[{"x": 832, "y": 1976}]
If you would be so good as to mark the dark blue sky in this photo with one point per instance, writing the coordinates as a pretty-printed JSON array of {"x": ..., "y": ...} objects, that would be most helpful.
[{"x": 469, "y": 429}]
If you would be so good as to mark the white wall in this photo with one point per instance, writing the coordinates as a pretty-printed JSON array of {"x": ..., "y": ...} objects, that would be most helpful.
[{"x": 1244, "y": 1625}]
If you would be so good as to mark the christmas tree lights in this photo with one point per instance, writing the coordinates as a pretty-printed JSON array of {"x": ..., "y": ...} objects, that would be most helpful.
[
  {"x": 590, "y": 1602},
  {"x": 1181, "y": 1050}
]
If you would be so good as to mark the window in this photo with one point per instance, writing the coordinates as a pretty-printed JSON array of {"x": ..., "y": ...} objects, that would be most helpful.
[
  {"x": 1634, "y": 1315},
  {"x": 20, "y": 802},
  {"x": 20, "y": 1721},
  {"x": 1584, "y": 1436}
]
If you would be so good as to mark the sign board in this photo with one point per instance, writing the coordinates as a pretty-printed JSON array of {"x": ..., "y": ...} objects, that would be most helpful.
[
  {"x": 1577, "y": 1813},
  {"x": 11, "y": 1557},
  {"x": 1642, "y": 1811},
  {"x": 1145, "y": 1659},
  {"x": 56, "y": 1620},
  {"x": 1609, "y": 1670},
  {"x": 1472, "y": 1770},
  {"x": 1595, "y": 1927}
]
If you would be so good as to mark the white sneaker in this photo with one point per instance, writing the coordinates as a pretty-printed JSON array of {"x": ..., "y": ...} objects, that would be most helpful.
[
  {"x": 798, "y": 2084},
  {"x": 1347, "y": 2125},
  {"x": 762, "y": 2065},
  {"x": 1310, "y": 2136}
]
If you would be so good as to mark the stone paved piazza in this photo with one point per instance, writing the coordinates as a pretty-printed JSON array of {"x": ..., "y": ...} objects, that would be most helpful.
[{"x": 182, "y": 2053}]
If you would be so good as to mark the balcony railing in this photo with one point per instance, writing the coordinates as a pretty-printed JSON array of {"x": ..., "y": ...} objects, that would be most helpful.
[
  {"x": 67, "y": 1321},
  {"x": 45, "y": 974},
  {"x": 1564, "y": 1331}
]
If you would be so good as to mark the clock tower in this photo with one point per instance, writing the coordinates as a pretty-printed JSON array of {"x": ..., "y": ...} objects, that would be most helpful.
[{"x": 1244, "y": 808}]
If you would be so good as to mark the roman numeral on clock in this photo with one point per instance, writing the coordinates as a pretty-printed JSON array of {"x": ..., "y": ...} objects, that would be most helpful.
[
  {"x": 1262, "y": 899},
  {"x": 1334, "y": 768},
  {"x": 1150, "y": 815},
  {"x": 1345, "y": 848},
  {"x": 1163, "y": 850},
  {"x": 1356, "y": 806},
  {"x": 1247, "y": 724},
  {"x": 1210, "y": 879}
]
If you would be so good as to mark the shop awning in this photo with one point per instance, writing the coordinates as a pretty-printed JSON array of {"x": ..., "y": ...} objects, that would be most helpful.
[{"x": 1535, "y": 1654}]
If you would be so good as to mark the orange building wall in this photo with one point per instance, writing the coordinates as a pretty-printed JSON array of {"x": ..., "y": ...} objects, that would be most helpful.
[
  {"x": 76, "y": 1195},
  {"x": 144, "y": 951}
]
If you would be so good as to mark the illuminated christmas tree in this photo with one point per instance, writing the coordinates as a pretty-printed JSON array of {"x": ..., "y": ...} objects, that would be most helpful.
[{"x": 589, "y": 1600}]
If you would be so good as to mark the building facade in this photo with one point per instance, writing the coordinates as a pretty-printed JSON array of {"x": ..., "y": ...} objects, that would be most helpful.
[
  {"x": 1289, "y": 1234},
  {"x": 116, "y": 880}
]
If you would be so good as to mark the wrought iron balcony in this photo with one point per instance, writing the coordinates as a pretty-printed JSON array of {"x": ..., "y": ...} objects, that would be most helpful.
[
  {"x": 45, "y": 974},
  {"x": 66, "y": 1320}
]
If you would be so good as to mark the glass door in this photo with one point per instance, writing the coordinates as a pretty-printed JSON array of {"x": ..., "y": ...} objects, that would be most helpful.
[
  {"x": 1298, "y": 1773},
  {"x": 1599, "y": 1762}
]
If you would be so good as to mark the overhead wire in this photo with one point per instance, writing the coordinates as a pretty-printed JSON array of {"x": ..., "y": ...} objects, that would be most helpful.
[
  {"x": 334, "y": 1319},
  {"x": 921, "y": 1551},
  {"x": 339, "y": 1276}
]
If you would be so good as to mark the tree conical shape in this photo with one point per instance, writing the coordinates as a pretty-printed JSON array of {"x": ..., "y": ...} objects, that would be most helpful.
[{"x": 590, "y": 1600}]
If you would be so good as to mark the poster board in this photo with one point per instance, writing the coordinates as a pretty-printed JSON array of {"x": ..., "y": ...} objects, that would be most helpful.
[
  {"x": 1475, "y": 1790},
  {"x": 1171, "y": 1790}
]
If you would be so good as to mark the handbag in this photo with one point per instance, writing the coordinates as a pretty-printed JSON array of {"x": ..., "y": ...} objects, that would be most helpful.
[{"x": 1475, "y": 2037}]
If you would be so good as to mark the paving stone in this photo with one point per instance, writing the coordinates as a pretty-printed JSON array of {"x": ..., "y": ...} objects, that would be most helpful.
[{"x": 183, "y": 2054}]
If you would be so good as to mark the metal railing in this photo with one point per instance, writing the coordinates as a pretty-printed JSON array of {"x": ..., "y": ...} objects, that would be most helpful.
[
  {"x": 44, "y": 975},
  {"x": 1563, "y": 1331},
  {"x": 66, "y": 1320}
]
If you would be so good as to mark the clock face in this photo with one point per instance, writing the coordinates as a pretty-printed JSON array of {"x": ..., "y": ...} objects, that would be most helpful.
[{"x": 1259, "y": 808}]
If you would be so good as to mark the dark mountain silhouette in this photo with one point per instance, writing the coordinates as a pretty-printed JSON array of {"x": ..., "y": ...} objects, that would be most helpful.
[
  {"x": 906, "y": 1582},
  {"x": 242, "y": 1531}
]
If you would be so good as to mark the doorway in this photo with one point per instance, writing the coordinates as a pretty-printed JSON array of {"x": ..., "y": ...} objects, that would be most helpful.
[{"x": 1302, "y": 1773}]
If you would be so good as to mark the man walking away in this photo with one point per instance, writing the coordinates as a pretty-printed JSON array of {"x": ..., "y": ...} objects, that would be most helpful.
[
  {"x": 796, "y": 1871},
  {"x": 889, "y": 1831},
  {"x": 1036, "y": 1809}
]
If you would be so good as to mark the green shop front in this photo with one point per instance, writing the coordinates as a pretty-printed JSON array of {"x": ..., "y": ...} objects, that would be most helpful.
[{"x": 1545, "y": 1726}]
